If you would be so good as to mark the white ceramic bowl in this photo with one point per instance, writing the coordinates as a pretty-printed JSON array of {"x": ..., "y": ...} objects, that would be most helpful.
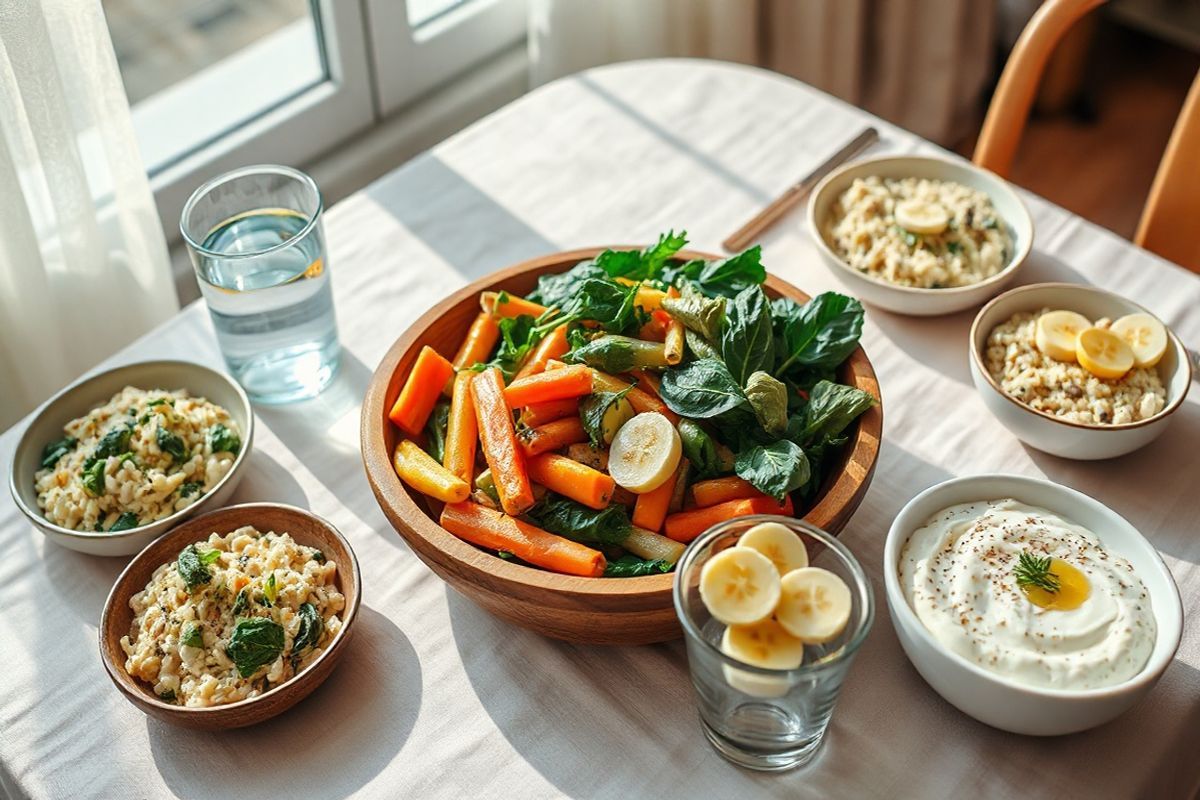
[
  {"x": 998, "y": 701},
  {"x": 77, "y": 400},
  {"x": 906, "y": 299},
  {"x": 1046, "y": 431}
]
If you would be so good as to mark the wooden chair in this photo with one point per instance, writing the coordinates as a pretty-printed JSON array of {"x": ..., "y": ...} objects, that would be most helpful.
[{"x": 1170, "y": 223}]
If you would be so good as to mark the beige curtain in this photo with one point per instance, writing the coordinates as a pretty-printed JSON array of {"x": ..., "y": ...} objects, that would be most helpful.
[{"x": 922, "y": 64}]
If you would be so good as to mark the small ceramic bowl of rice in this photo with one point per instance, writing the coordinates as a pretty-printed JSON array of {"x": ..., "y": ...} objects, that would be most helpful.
[
  {"x": 111, "y": 463},
  {"x": 1058, "y": 406},
  {"x": 920, "y": 235}
]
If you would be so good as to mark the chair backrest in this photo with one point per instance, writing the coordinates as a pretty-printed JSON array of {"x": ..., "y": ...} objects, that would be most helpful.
[{"x": 1169, "y": 221}]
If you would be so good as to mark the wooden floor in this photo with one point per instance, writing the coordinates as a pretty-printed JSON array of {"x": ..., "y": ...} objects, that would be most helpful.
[{"x": 1101, "y": 167}]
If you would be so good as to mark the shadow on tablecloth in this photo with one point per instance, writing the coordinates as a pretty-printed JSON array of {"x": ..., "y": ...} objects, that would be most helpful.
[{"x": 331, "y": 744}]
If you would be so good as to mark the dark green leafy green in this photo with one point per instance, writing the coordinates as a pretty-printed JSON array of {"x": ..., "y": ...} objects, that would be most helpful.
[
  {"x": 317, "y": 556},
  {"x": 435, "y": 430},
  {"x": 606, "y": 526},
  {"x": 168, "y": 695},
  {"x": 222, "y": 440},
  {"x": 309, "y": 634},
  {"x": 644, "y": 265},
  {"x": 821, "y": 334},
  {"x": 189, "y": 488},
  {"x": 159, "y": 401},
  {"x": 193, "y": 635},
  {"x": 255, "y": 642},
  {"x": 241, "y": 602},
  {"x": 747, "y": 339},
  {"x": 114, "y": 442},
  {"x": 604, "y": 301},
  {"x": 192, "y": 565},
  {"x": 592, "y": 410},
  {"x": 630, "y": 566},
  {"x": 52, "y": 452},
  {"x": 555, "y": 290},
  {"x": 93, "y": 478},
  {"x": 614, "y": 354},
  {"x": 774, "y": 469},
  {"x": 830, "y": 410},
  {"x": 699, "y": 346},
  {"x": 701, "y": 389},
  {"x": 698, "y": 448},
  {"x": 724, "y": 277},
  {"x": 768, "y": 397},
  {"x": 517, "y": 338},
  {"x": 697, "y": 312},
  {"x": 171, "y": 444},
  {"x": 126, "y": 522}
]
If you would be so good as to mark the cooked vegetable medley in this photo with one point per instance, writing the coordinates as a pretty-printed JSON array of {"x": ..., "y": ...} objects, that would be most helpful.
[{"x": 626, "y": 405}]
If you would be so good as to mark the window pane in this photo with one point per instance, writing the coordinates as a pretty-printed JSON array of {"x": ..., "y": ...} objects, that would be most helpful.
[
  {"x": 197, "y": 69},
  {"x": 421, "y": 11}
]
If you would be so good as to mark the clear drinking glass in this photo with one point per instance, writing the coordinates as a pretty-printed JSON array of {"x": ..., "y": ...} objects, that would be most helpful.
[
  {"x": 256, "y": 241},
  {"x": 768, "y": 719}
]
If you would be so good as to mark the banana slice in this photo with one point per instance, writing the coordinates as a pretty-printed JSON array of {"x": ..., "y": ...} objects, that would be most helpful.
[
  {"x": 1103, "y": 353},
  {"x": 644, "y": 453},
  {"x": 739, "y": 586},
  {"x": 1057, "y": 331},
  {"x": 779, "y": 543},
  {"x": 1145, "y": 335},
  {"x": 918, "y": 216},
  {"x": 814, "y": 605},
  {"x": 764, "y": 644}
]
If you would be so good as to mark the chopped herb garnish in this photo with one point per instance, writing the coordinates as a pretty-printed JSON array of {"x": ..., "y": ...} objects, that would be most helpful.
[
  {"x": 223, "y": 440},
  {"x": 56, "y": 450},
  {"x": 189, "y": 488},
  {"x": 93, "y": 478},
  {"x": 171, "y": 444}
]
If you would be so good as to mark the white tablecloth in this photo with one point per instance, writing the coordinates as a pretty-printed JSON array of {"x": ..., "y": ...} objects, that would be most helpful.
[{"x": 434, "y": 698}]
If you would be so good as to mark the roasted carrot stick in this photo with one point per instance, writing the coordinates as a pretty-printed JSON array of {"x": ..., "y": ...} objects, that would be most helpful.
[
  {"x": 536, "y": 414},
  {"x": 554, "y": 345},
  {"x": 570, "y": 381},
  {"x": 651, "y": 508},
  {"x": 462, "y": 431},
  {"x": 418, "y": 469},
  {"x": 674, "y": 341},
  {"x": 509, "y": 305},
  {"x": 490, "y": 529},
  {"x": 640, "y": 399},
  {"x": 687, "y": 525},
  {"x": 481, "y": 338},
  {"x": 552, "y": 436},
  {"x": 719, "y": 490},
  {"x": 572, "y": 479},
  {"x": 499, "y": 441},
  {"x": 421, "y": 391}
]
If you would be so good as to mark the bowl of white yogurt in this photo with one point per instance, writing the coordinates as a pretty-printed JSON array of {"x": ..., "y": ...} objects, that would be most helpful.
[{"x": 1028, "y": 605}]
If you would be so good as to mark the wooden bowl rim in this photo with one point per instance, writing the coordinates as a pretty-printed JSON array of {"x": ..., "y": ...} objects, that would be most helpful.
[
  {"x": 482, "y": 565},
  {"x": 134, "y": 689}
]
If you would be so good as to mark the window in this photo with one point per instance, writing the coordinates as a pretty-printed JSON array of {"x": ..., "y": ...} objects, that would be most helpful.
[{"x": 216, "y": 84}]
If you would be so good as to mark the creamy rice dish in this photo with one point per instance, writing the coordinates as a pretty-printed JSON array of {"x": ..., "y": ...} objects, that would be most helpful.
[
  {"x": 1066, "y": 389},
  {"x": 920, "y": 233},
  {"x": 232, "y": 617},
  {"x": 140, "y": 457},
  {"x": 1029, "y": 595}
]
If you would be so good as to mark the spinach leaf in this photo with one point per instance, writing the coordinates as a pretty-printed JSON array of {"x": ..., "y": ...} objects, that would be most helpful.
[
  {"x": 255, "y": 642},
  {"x": 733, "y": 275},
  {"x": 775, "y": 469},
  {"x": 555, "y": 290},
  {"x": 309, "y": 634},
  {"x": 607, "y": 526},
  {"x": 592, "y": 410},
  {"x": 158, "y": 401},
  {"x": 830, "y": 410},
  {"x": 270, "y": 592},
  {"x": 126, "y": 522},
  {"x": 93, "y": 477},
  {"x": 189, "y": 488},
  {"x": 168, "y": 695},
  {"x": 822, "y": 333},
  {"x": 52, "y": 452},
  {"x": 820, "y": 456},
  {"x": 645, "y": 265},
  {"x": 114, "y": 442},
  {"x": 172, "y": 445},
  {"x": 699, "y": 345},
  {"x": 317, "y": 556},
  {"x": 241, "y": 602},
  {"x": 192, "y": 565},
  {"x": 698, "y": 448},
  {"x": 604, "y": 301},
  {"x": 747, "y": 341},
  {"x": 768, "y": 397},
  {"x": 698, "y": 313},
  {"x": 193, "y": 635},
  {"x": 630, "y": 566},
  {"x": 220, "y": 440},
  {"x": 435, "y": 430},
  {"x": 700, "y": 389}
]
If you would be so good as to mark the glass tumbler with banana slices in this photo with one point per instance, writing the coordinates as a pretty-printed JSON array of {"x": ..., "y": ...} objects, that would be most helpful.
[{"x": 770, "y": 634}]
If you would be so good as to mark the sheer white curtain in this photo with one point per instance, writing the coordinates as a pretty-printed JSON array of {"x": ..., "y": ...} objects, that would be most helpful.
[
  {"x": 922, "y": 64},
  {"x": 83, "y": 262}
]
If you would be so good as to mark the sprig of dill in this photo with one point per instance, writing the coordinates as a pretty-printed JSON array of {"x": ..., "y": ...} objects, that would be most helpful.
[{"x": 1032, "y": 570}]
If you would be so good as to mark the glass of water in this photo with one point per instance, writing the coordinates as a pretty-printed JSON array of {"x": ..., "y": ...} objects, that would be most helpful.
[
  {"x": 256, "y": 241},
  {"x": 768, "y": 719}
]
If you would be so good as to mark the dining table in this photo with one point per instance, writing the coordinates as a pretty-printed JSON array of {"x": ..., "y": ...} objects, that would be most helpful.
[{"x": 436, "y": 698}]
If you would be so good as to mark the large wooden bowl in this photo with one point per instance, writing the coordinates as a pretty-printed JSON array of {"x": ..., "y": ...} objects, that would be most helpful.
[
  {"x": 304, "y": 527},
  {"x": 589, "y": 610}
]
